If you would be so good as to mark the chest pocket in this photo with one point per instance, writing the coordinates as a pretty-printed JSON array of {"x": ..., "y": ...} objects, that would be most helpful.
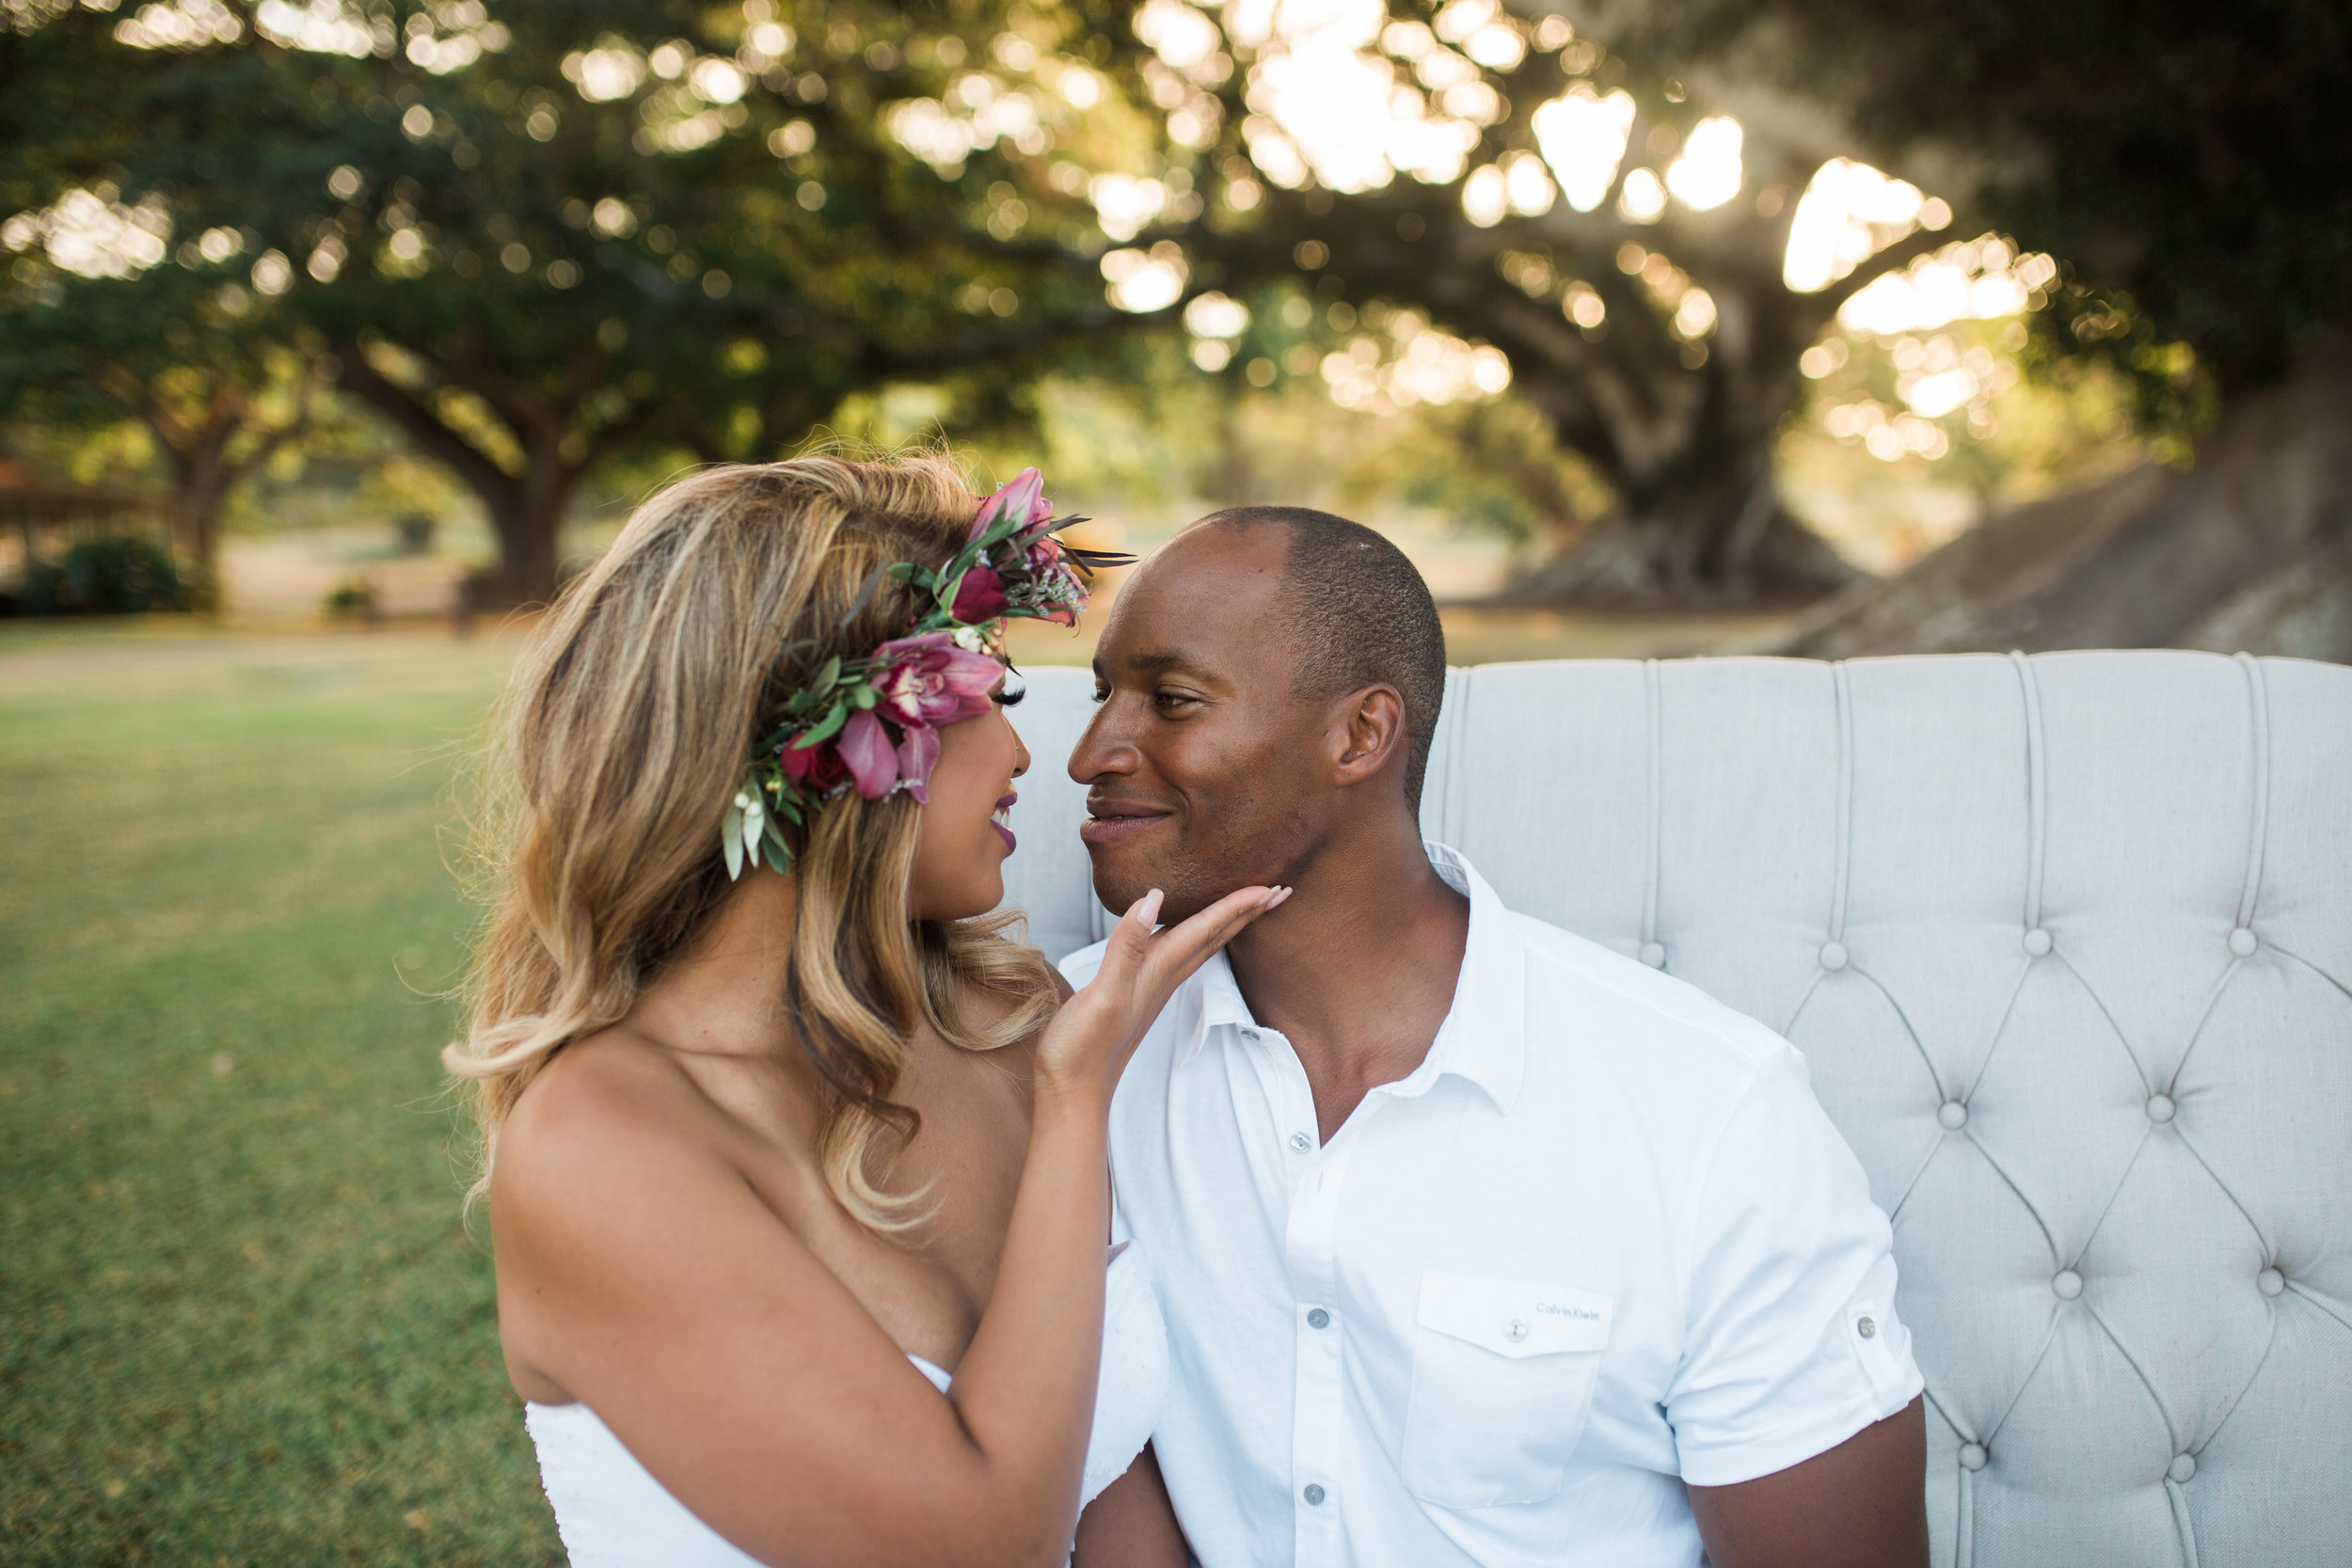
[{"x": 1502, "y": 1384}]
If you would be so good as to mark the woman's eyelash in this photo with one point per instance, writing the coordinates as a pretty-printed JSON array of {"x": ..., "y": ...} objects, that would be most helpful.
[{"x": 1012, "y": 699}]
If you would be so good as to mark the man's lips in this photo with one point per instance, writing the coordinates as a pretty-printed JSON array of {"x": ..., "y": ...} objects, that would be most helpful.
[{"x": 1109, "y": 821}]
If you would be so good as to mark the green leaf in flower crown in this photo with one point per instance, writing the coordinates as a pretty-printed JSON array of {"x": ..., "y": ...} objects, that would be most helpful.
[
  {"x": 905, "y": 571},
  {"x": 830, "y": 674},
  {"x": 789, "y": 805},
  {"x": 865, "y": 696},
  {"x": 778, "y": 855},
  {"x": 825, "y": 728},
  {"x": 731, "y": 837}
]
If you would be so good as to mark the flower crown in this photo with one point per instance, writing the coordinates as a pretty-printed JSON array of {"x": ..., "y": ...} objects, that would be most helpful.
[{"x": 872, "y": 724}]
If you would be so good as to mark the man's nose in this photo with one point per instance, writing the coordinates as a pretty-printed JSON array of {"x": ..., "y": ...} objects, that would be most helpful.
[{"x": 1102, "y": 750}]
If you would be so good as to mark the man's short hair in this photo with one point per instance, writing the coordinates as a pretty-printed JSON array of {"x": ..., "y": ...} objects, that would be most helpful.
[{"x": 1358, "y": 615}]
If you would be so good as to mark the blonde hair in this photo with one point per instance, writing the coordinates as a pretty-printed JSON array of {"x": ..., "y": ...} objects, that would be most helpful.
[{"x": 621, "y": 739}]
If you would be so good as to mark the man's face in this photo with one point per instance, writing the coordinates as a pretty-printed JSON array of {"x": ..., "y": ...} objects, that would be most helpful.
[{"x": 1200, "y": 762}]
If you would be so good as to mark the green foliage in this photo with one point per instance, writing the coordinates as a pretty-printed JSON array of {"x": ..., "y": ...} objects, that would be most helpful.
[
  {"x": 244, "y": 1322},
  {"x": 2192, "y": 162},
  {"x": 124, "y": 574}
]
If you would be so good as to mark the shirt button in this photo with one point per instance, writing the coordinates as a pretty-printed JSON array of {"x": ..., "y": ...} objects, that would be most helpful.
[
  {"x": 1318, "y": 1319},
  {"x": 1313, "y": 1495},
  {"x": 1514, "y": 1330},
  {"x": 1868, "y": 1328},
  {"x": 1302, "y": 1144}
]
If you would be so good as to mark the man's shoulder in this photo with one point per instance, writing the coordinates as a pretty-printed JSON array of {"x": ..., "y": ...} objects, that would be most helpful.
[{"x": 1631, "y": 1005}]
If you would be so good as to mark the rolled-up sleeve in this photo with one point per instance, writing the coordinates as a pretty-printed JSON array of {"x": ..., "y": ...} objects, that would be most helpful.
[{"x": 1791, "y": 1343}]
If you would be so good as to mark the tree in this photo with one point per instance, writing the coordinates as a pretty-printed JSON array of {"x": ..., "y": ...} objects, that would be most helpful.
[
  {"x": 184, "y": 356},
  {"x": 1619, "y": 235},
  {"x": 537, "y": 243},
  {"x": 2193, "y": 168}
]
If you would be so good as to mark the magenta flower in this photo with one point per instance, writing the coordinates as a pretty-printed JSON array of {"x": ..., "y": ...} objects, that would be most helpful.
[
  {"x": 813, "y": 770},
  {"x": 980, "y": 596},
  {"x": 929, "y": 680},
  {"x": 866, "y": 751}
]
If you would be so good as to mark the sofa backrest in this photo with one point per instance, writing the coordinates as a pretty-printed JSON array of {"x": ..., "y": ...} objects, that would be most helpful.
[{"x": 2067, "y": 942}]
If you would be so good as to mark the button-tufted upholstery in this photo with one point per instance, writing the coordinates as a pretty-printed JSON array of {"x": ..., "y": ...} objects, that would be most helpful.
[{"x": 2066, "y": 941}]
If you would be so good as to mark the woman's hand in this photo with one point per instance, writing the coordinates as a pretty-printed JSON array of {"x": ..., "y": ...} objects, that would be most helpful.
[{"x": 1086, "y": 1046}]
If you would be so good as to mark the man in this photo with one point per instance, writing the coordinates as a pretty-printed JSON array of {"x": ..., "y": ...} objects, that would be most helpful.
[{"x": 1477, "y": 1242}]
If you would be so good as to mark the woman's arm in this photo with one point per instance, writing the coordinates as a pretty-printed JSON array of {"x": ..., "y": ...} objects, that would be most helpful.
[
  {"x": 659, "y": 1289},
  {"x": 1133, "y": 1523}
]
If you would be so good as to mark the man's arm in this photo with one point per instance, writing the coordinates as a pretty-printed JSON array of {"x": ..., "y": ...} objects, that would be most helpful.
[
  {"x": 1133, "y": 1523},
  {"x": 1860, "y": 1505}
]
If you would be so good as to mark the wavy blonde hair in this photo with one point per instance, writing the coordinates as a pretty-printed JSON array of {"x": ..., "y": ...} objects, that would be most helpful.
[{"x": 621, "y": 739}]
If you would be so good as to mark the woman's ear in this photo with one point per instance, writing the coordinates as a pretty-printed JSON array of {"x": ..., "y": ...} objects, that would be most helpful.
[{"x": 1370, "y": 733}]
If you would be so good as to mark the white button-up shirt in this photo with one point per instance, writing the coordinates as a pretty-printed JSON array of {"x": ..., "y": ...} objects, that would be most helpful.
[{"x": 1603, "y": 1242}]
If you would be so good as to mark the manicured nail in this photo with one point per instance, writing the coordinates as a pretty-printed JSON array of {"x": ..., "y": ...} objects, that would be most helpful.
[{"x": 1148, "y": 907}]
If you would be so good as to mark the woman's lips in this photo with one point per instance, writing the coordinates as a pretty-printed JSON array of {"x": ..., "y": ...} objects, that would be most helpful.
[{"x": 996, "y": 822}]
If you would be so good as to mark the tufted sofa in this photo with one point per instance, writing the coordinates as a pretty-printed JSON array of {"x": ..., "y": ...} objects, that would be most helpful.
[{"x": 2067, "y": 942}]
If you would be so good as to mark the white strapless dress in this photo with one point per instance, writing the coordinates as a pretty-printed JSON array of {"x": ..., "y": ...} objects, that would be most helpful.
[{"x": 611, "y": 1513}]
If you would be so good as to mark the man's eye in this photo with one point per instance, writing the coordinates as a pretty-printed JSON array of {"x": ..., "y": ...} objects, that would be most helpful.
[
  {"x": 1101, "y": 695},
  {"x": 1172, "y": 699}
]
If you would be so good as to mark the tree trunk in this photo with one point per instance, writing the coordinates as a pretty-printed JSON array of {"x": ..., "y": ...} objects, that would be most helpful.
[
  {"x": 2249, "y": 550},
  {"x": 527, "y": 515},
  {"x": 1698, "y": 520}
]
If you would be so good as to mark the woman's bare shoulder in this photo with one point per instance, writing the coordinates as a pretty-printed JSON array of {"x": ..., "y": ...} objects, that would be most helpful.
[{"x": 612, "y": 1108}]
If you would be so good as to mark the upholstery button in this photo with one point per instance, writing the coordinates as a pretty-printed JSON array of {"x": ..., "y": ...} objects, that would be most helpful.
[
  {"x": 1318, "y": 1319},
  {"x": 2037, "y": 944},
  {"x": 2270, "y": 1282},
  {"x": 1834, "y": 956},
  {"x": 1314, "y": 1495},
  {"x": 2242, "y": 943},
  {"x": 1952, "y": 1114},
  {"x": 1972, "y": 1456},
  {"x": 2160, "y": 1107},
  {"x": 1301, "y": 1142},
  {"x": 2067, "y": 1284},
  {"x": 1654, "y": 954},
  {"x": 2183, "y": 1466}
]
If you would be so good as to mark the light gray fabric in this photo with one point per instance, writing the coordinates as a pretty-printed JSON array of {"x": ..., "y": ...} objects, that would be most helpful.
[{"x": 2129, "y": 1266}]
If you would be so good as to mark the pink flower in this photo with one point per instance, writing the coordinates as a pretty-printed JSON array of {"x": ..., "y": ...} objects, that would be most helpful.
[
  {"x": 980, "y": 596},
  {"x": 1024, "y": 497},
  {"x": 866, "y": 751},
  {"x": 929, "y": 680},
  {"x": 918, "y": 752},
  {"x": 814, "y": 769}
]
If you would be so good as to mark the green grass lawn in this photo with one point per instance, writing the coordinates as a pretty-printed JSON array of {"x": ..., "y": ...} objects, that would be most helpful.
[{"x": 240, "y": 1319}]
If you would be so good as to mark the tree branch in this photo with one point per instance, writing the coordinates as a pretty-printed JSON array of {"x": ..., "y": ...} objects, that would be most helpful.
[{"x": 405, "y": 410}]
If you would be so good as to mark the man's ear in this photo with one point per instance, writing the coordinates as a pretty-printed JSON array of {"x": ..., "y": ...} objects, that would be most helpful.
[{"x": 1368, "y": 734}]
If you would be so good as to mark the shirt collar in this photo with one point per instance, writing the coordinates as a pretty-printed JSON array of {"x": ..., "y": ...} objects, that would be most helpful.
[{"x": 1484, "y": 1037}]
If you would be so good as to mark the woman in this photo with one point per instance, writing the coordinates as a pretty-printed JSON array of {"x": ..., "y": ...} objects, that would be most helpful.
[{"x": 786, "y": 1139}]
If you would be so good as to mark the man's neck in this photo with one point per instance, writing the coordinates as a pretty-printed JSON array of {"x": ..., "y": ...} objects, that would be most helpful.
[{"x": 1359, "y": 970}]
